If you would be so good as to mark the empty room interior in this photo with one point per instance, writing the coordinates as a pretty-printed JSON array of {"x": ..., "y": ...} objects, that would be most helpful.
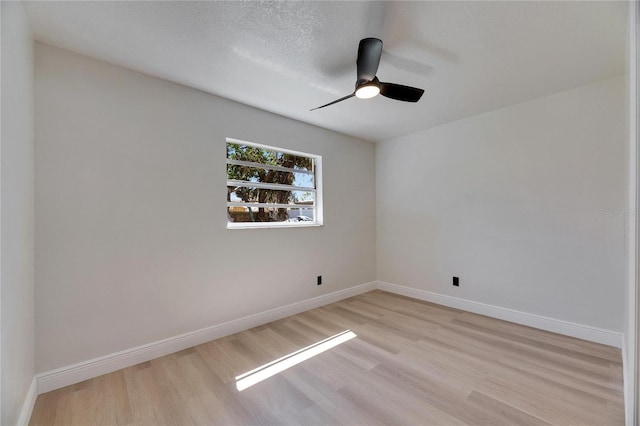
[{"x": 314, "y": 213}]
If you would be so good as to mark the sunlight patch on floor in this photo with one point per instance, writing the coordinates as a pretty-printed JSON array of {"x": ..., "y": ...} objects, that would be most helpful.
[{"x": 272, "y": 368}]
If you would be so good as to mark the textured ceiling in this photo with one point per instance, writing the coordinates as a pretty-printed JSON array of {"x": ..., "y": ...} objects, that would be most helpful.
[{"x": 288, "y": 57}]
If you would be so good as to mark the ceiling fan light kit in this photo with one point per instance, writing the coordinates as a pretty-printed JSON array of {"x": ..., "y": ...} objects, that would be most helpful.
[
  {"x": 368, "y": 85},
  {"x": 367, "y": 90}
]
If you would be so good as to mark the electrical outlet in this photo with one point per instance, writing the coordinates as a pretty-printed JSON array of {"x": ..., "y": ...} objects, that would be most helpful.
[
  {"x": 456, "y": 282},
  {"x": 319, "y": 280}
]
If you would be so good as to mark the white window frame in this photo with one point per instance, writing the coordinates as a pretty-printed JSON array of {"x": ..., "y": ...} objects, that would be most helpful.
[{"x": 317, "y": 204}]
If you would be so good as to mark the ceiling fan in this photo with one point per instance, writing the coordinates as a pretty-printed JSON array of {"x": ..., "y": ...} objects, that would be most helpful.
[{"x": 368, "y": 85}]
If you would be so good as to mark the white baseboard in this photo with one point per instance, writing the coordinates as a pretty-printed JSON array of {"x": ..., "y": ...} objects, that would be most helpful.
[
  {"x": 75, "y": 373},
  {"x": 567, "y": 328},
  {"x": 27, "y": 406}
]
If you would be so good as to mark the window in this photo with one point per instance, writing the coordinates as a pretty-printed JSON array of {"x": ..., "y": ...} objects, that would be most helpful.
[{"x": 272, "y": 187}]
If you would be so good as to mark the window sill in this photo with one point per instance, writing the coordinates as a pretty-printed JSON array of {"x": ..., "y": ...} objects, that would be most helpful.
[{"x": 263, "y": 225}]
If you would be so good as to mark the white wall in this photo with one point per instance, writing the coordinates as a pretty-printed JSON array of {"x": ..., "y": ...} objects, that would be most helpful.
[
  {"x": 515, "y": 203},
  {"x": 131, "y": 212},
  {"x": 16, "y": 229}
]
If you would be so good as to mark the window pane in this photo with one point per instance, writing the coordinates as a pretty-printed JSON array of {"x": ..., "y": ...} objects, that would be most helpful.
[
  {"x": 269, "y": 214},
  {"x": 272, "y": 196},
  {"x": 267, "y": 156},
  {"x": 257, "y": 174}
]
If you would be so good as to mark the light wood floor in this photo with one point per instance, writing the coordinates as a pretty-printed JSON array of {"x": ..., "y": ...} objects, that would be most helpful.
[{"x": 411, "y": 363}]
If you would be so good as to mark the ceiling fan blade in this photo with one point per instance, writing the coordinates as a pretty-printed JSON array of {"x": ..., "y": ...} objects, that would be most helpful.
[
  {"x": 335, "y": 102},
  {"x": 400, "y": 92},
  {"x": 369, "y": 52}
]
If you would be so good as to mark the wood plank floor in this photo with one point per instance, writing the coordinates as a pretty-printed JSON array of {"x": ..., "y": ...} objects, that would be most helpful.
[{"x": 412, "y": 362}]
